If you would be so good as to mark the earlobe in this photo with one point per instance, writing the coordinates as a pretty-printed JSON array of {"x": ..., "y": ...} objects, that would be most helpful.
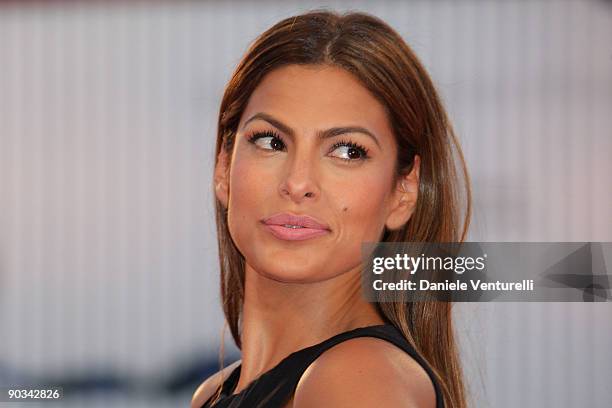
[
  {"x": 404, "y": 198},
  {"x": 221, "y": 178}
]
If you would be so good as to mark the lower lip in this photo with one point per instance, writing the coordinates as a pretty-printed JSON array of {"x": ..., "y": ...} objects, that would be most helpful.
[{"x": 295, "y": 234}]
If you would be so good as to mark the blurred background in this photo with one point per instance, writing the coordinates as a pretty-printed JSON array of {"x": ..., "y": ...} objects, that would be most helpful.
[{"x": 108, "y": 259}]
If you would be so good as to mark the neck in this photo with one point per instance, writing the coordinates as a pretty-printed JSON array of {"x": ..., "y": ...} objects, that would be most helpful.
[{"x": 280, "y": 318}]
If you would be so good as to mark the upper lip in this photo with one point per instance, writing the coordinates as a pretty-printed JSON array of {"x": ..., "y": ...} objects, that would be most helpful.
[{"x": 292, "y": 219}]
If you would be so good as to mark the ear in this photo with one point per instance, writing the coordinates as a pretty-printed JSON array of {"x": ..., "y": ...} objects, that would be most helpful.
[
  {"x": 221, "y": 177},
  {"x": 404, "y": 198}
]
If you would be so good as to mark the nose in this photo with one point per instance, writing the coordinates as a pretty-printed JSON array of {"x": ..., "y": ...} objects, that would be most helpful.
[{"x": 299, "y": 182}]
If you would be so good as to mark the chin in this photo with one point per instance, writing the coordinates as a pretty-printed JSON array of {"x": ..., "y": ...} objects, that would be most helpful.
[{"x": 291, "y": 273}]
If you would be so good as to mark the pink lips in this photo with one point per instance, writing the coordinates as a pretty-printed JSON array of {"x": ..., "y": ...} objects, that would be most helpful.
[{"x": 295, "y": 227}]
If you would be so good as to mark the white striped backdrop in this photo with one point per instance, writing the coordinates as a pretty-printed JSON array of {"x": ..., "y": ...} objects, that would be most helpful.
[{"x": 107, "y": 127}]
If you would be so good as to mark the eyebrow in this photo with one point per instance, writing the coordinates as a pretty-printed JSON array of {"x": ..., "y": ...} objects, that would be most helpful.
[{"x": 323, "y": 134}]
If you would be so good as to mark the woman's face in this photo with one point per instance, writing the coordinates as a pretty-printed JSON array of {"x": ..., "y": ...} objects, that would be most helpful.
[{"x": 311, "y": 142}]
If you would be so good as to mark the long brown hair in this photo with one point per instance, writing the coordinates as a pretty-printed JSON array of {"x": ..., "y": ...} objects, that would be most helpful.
[{"x": 376, "y": 55}]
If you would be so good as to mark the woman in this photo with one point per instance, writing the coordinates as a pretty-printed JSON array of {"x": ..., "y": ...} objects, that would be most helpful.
[{"x": 331, "y": 134}]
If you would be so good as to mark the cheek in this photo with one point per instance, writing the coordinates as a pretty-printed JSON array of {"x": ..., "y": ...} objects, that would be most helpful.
[
  {"x": 243, "y": 184},
  {"x": 362, "y": 206},
  {"x": 243, "y": 194},
  {"x": 250, "y": 181},
  {"x": 251, "y": 185}
]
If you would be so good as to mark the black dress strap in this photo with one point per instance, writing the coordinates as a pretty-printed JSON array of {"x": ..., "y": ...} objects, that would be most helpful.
[{"x": 275, "y": 387}]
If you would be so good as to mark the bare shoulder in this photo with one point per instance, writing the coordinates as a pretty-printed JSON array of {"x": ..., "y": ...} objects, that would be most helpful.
[
  {"x": 365, "y": 372},
  {"x": 210, "y": 385}
]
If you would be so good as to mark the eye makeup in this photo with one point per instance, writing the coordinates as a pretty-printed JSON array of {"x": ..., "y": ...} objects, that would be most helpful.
[
  {"x": 351, "y": 148},
  {"x": 354, "y": 151},
  {"x": 275, "y": 140}
]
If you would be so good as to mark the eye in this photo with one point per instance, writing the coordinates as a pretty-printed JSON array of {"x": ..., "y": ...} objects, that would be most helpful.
[
  {"x": 349, "y": 151},
  {"x": 267, "y": 140}
]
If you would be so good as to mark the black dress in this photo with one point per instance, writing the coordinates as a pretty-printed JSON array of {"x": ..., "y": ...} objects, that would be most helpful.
[{"x": 276, "y": 386}]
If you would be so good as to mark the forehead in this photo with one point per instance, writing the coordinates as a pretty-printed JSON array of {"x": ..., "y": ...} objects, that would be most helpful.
[{"x": 316, "y": 97}]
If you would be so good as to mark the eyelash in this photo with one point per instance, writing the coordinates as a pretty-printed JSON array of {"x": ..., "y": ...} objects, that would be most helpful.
[{"x": 342, "y": 143}]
